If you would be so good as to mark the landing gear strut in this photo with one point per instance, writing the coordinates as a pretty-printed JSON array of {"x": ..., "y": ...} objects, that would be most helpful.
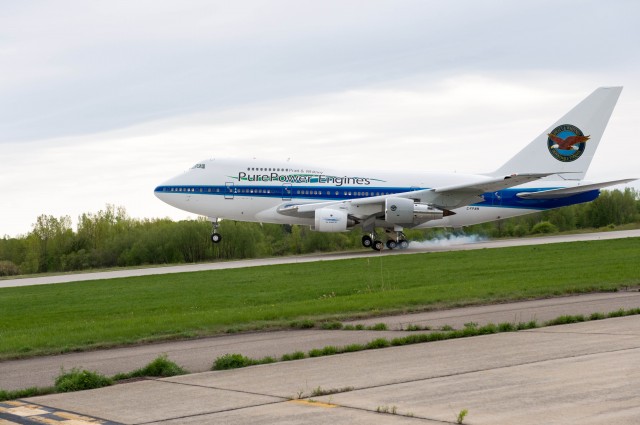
[{"x": 215, "y": 236}]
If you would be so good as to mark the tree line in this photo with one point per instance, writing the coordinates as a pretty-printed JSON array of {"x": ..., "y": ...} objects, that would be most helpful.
[{"x": 110, "y": 238}]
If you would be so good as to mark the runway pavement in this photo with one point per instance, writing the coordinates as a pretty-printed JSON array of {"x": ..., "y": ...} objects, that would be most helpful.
[
  {"x": 582, "y": 373},
  {"x": 454, "y": 244}
]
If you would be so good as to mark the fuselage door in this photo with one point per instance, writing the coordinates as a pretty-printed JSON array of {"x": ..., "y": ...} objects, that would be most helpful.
[
  {"x": 229, "y": 190},
  {"x": 286, "y": 192}
]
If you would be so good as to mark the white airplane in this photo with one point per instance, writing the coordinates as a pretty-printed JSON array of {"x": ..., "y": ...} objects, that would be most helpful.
[{"x": 548, "y": 173}]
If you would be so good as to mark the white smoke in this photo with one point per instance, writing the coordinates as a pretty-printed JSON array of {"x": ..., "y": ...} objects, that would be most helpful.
[{"x": 444, "y": 241}]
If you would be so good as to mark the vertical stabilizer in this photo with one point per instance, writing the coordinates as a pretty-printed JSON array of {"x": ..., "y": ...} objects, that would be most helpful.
[{"x": 569, "y": 144}]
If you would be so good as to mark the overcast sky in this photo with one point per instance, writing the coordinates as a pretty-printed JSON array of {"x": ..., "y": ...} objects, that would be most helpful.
[{"x": 101, "y": 101}]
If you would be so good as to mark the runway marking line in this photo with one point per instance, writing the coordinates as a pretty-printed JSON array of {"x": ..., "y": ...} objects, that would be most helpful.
[
  {"x": 24, "y": 410},
  {"x": 313, "y": 403},
  {"x": 26, "y": 413}
]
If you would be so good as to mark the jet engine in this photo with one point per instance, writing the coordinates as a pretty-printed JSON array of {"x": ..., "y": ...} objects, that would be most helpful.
[
  {"x": 398, "y": 210},
  {"x": 330, "y": 220},
  {"x": 406, "y": 212}
]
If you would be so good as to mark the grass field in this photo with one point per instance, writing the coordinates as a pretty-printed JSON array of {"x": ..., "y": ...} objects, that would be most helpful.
[{"x": 63, "y": 317}]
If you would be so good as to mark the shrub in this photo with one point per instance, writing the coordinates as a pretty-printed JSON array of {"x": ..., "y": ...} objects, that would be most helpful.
[
  {"x": 544, "y": 227},
  {"x": 437, "y": 336},
  {"x": 265, "y": 360},
  {"x": 161, "y": 366},
  {"x": 78, "y": 380},
  {"x": 326, "y": 351},
  {"x": 352, "y": 348},
  {"x": 564, "y": 320},
  {"x": 332, "y": 325},
  {"x": 329, "y": 350},
  {"x": 519, "y": 230},
  {"x": 506, "y": 327},
  {"x": 303, "y": 324},
  {"x": 414, "y": 328},
  {"x": 316, "y": 352},
  {"x": 293, "y": 356},
  {"x": 532, "y": 324},
  {"x": 232, "y": 361},
  {"x": 618, "y": 313},
  {"x": 411, "y": 339},
  {"x": 8, "y": 268},
  {"x": 378, "y": 327},
  {"x": 489, "y": 328},
  {"x": 27, "y": 392},
  {"x": 378, "y": 343}
]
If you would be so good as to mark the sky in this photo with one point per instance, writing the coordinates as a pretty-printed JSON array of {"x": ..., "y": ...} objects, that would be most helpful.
[{"x": 100, "y": 102}]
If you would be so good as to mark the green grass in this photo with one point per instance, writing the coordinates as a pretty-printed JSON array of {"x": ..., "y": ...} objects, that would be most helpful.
[{"x": 81, "y": 315}]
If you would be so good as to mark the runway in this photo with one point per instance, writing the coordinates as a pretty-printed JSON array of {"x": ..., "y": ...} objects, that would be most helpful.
[
  {"x": 581, "y": 373},
  {"x": 415, "y": 248}
]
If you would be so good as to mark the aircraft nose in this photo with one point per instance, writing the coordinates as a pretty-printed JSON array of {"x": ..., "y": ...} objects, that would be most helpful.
[{"x": 163, "y": 190}]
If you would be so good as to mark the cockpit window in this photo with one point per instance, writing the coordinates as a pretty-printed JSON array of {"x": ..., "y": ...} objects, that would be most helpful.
[{"x": 198, "y": 166}]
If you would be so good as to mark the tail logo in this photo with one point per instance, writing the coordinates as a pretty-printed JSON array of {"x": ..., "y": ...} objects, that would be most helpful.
[{"x": 566, "y": 142}]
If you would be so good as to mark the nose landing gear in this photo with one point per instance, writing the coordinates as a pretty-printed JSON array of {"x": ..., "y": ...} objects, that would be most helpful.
[{"x": 215, "y": 236}]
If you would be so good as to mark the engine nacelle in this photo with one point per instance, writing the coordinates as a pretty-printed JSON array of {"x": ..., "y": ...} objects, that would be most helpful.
[
  {"x": 330, "y": 220},
  {"x": 403, "y": 211},
  {"x": 398, "y": 210}
]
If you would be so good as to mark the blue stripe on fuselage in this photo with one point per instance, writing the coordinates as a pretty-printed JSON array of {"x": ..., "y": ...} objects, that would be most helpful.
[{"x": 505, "y": 198}]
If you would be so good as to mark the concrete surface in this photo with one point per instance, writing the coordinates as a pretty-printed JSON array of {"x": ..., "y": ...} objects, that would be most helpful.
[
  {"x": 415, "y": 248},
  {"x": 582, "y": 373},
  {"x": 198, "y": 355}
]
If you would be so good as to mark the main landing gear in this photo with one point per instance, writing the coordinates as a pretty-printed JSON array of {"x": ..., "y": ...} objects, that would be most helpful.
[
  {"x": 215, "y": 236},
  {"x": 369, "y": 241},
  {"x": 372, "y": 241}
]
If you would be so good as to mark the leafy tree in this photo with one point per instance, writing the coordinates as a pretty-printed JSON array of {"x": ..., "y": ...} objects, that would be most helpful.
[{"x": 110, "y": 237}]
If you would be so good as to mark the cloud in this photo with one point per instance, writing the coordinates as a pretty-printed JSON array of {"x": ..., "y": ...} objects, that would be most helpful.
[
  {"x": 75, "y": 67},
  {"x": 99, "y": 102}
]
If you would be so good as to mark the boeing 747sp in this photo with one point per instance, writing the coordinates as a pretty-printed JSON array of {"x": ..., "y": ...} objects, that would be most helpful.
[{"x": 548, "y": 173}]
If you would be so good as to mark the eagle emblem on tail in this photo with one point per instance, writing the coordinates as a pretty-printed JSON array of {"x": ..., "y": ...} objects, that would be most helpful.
[
  {"x": 569, "y": 142},
  {"x": 566, "y": 142}
]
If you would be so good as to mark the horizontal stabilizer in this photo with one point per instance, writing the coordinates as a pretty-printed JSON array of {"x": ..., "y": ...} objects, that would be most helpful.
[{"x": 569, "y": 191}]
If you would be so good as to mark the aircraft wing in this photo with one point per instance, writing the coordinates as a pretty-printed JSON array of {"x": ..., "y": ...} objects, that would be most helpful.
[
  {"x": 445, "y": 198},
  {"x": 569, "y": 191},
  {"x": 457, "y": 196}
]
